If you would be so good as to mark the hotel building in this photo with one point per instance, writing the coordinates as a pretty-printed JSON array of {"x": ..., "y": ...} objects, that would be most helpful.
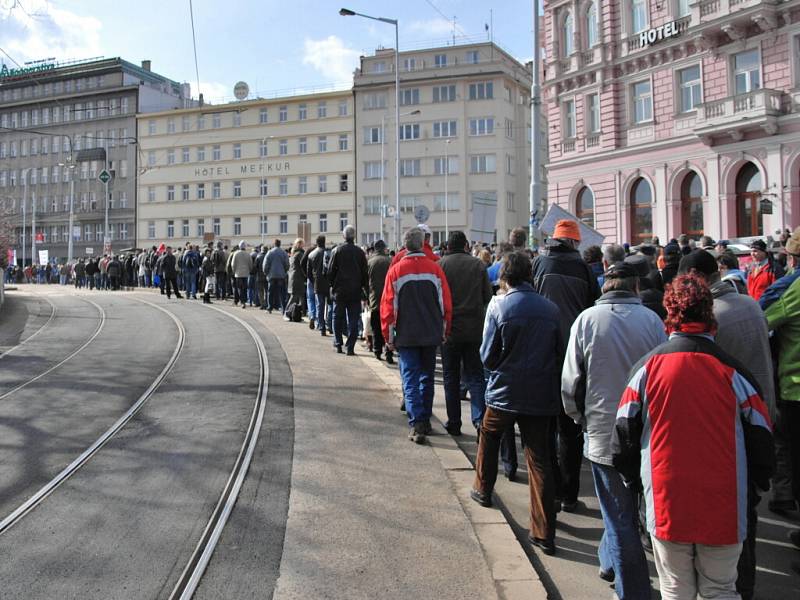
[
  {"x": 60, "y": 125},
  {"x": 253, "y": 170},
  {"x": 464, "y": 141},
  {"x": 674, "y": 116}
]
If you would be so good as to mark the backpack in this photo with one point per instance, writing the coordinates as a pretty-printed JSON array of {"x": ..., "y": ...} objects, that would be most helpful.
[{"x": 191, "y": 261}]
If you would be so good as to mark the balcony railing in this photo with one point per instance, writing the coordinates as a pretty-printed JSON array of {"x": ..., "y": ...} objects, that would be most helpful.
[
  {"x": 707, "y": 10},
  {"x": 592, "y": 140},
  {"x": 568, "y": 146},
  {"x": 737, "y": 110}
]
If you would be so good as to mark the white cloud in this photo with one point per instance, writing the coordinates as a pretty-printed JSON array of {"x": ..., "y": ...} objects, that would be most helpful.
[
  {"x": 41, "y": 30},
  {"x": 213, "y": 91},
  {"x": 432, "y": 27},
  {"x": 331, "y": 57}
]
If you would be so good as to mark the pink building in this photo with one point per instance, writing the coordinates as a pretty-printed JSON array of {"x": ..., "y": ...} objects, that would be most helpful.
[{"x": 674, "y": 116}]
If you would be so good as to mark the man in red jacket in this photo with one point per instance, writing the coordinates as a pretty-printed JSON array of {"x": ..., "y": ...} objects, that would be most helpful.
[{"x": 415, "y": 318}]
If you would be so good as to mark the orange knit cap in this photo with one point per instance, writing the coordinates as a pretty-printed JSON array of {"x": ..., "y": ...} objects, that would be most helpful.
[{"x": 567, "y": 229}]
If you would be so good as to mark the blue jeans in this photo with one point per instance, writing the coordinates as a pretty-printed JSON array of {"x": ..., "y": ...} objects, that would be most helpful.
[
  {"x": 349, "y": 313},
  {"x": 311, "y": 300},
  {"x": 620, "y": 547},
  {"x": 190, "y": 281},
  {"x": 417, "y": 365},
  {"x": 252, "y": 290},
  {"x": 277, "y": 294},
  {"x": 453, "y": 354},
  {"x": 324, "y": 313}
]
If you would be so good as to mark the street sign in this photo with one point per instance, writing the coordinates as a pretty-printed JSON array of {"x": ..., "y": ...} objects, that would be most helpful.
[
  {"x": 421, "y": 213},
  {"x": 39, "y": 238},
  {"x": 44, "y": 257},
  {"x": 104, "y": 176},
  {"x": 90, "y": 251}
]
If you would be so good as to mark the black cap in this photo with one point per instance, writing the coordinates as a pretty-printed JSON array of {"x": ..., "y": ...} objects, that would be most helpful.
[
  {"x": 640, "y": 264},
  {"x": 758, "y": 245},
  {"x": 701, "y": 261},
  {"x": 621, "y": 270},
  {"x": 672, "y": 248}
]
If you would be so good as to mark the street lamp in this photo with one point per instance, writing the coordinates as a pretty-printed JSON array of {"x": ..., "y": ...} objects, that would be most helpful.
[
  {"x": 446, "y": 173},
  {"x": 346, "y": 12},
  {"x": 70, "y": 166},
  {"x": 383, "y": 142}
]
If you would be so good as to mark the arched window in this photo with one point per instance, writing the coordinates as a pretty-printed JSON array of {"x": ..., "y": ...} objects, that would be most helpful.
[
  {"x": 584, "y": 206},
  {"x": 569, "y": 34},
  {"x": 748, "y": 205},
  {"x": 592, "y": 34},
  {"x": 641, "y": 211},
  {"x": 692, "y": 206}
]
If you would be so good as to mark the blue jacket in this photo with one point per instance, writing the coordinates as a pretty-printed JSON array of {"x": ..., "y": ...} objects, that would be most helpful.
[
  {"x": 522, "y": 350},
  {"x": 777, "y": 289}
]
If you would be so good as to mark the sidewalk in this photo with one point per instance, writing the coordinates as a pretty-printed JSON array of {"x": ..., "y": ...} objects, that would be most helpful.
[{"x": 372, "y": 515}]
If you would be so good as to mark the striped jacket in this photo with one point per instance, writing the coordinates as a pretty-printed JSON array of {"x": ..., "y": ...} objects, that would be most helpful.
[
  {"x": 692, "y": 424},
  {"x": 415, "y": 306}
]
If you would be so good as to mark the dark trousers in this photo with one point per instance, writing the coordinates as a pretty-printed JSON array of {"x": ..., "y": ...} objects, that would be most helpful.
[
  {"x": 221, "y": 285},
  {"x": 171, "y": 282},
  {"x": 541, "y": 486},
  {"x": 454, "y": 354},
  {"x": 114, "y": 281},
  {"x": 570, "y": 453},
  {"x": 746, "y": 567},
  {"x": 790, "y": 411},
  {"x": 377, "y": 333},
  {"x": 350, "y": 313},
  {"x": 277, "y": 294},
  {"x": 240, "y": 290}
]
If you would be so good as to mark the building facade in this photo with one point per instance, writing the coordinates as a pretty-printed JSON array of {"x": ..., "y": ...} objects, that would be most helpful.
[
  {"x": 254, "y": 170},
  {"x": 464, "y": 141},
  {"x": 674, "y": 116},
  {"x": 61, "y": 124}
]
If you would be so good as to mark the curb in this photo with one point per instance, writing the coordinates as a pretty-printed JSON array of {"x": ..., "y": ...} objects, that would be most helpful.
[{"x": 510, "y": 568}]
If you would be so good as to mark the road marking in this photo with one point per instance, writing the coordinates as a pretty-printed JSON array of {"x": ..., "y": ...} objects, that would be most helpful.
[
  {"x": 38, "y": 331},
  {"x": 54, "y": 367},
  {"x": 190, "y": 578},
  {"x": 76, "y": 464}
]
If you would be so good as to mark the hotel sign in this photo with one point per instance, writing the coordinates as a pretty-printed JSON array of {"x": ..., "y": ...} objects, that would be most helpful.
[
  {"x": 244, "y": 169},
  {"x": 6, "y": 73},
  {"x": 657, "y": 34}
]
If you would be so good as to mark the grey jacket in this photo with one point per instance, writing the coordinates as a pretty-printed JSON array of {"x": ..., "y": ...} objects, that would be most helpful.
[
  {"x": 605, "y": 341},
  {"x": 742, "y": 333},
  {"x": 276, "y": 263}
]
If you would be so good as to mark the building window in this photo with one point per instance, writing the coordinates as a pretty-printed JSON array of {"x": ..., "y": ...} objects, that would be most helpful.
[
  {"x": 283, "y": 224},
  {"x": 373, "y": 170},
  {"x": 445, "y": 129},
  {"x": 410, "y": 168},
  {"x": 372, "y": 205},
  {"x": 569, "y": 119},
  {"x": 473, "y": 57},
  {"x": 482, "y": 163},
  {"x": 372, "y": 135},
  {"x": 302, "y": 112},
  {"x": 170, "y": 156},
  {"x": 748, "y": 201},
  {"x": 343, "y": 142},
  {"x": 409, "y": 131},
  {"x": 185, "y": 228},
  {"x": 283, "y": 114},
  {"x": 690, "y": 88},
  {"x": 584, "y": 206},
  {"x": 185, "y": 192},
  {"x": 379, "y": 67},
  {"x": 201, "y": 191},
  {"x": 216, "y": 152},
  {"x": 262, "y": 148},
  {"x": 216, "y": 226},
  {"x": 201, "y": 122},
  {"x": 322, "y": 109},
  {"x": 283, "y": 186},
  {"x": 170, "y": 229},
  {"x": 592, "y": 28},
  {"x": 237, "y": 151},
  {"x": 593, "y": 113},
  {"x": 216, "y": 190},
  {"x": 323, "y": 222},
  {"x": 123, "y": 231},
  {"x": 444, "y": 93},
  {"x": 201, "y": 227},
  {"x": 692, "y": 205},
  {"x": 170, "y": 125},
  {"x": 151, "y": 124},
  {"x": 185, "y": 124},
  {"x": 746, "y": 72},
  {"x": 151, "y": 231},
  {"x": 302, "y": 186},
  {"x": 639, "y": 15},
  {"x": 170, "y": 193},
  {"x": 343, "y": 221},
  {"x": 342, "y": 108},
  {"x": 237, "y": 119},
  {"x": 409, "y": 97},
  {"x": 151, "y": 155},
  {"x": 448, "y": 165},
  {"x": 451, "y": 202},
  {"x": 185, "y": 155},
  {"x": 641, "y": 211},
  {"x": 237, "y": 225},
  {"x": 201, "y": 153},
  {"x": 216, "y": 121},
  {"x": 322, "y": 143},
  {"x": 151, "y": 194},
  {"x": 642, "y": 102},
  {"x": 482, "y": 126},
  {"x": 323, "y": 184},
  {"x": 568, "y": 33},
  {"x": 684, "y": 10},
  {"x": 302, "y": 145},
  {"x": 263, "y": 187},
  {"x": 283, "y": 147},
  {"x": 263, "y": 225},
  {"x": 409, "y": 64},
  {"x": 263, "y": 116},
  {"x": 237, "y": 189},
  {"x": 481, "y": 91},
  {"x": 440, "y": 60}
]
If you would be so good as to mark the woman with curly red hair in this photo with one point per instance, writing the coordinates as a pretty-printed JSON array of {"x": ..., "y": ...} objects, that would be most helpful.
[{"x": 692, "y": 425}]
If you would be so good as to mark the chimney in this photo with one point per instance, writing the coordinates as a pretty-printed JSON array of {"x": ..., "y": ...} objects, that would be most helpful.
[{"x": 146, "y": 65}]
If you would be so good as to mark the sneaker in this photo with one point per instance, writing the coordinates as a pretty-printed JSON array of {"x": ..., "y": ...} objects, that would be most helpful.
[
  {"x": 547, "y": 546},
  {"x": 417, "y": 434},
  {"x": 484, "y": 500}
]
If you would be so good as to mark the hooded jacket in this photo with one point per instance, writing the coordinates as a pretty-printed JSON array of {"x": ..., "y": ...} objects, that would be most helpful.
[
  {"x": 605, "y": 341},
  {"x": 241, "y": 263}
]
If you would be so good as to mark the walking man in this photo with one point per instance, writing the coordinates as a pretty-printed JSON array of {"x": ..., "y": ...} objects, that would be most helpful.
[
  {"x": 241, "y": 265},
  {"x": 377, "y": 268},
  {"x": 169, "y": 272},
  {"x": 276, "y": 266},
  {"x": 319, "y": 279},
  {"x": 348, "y": 276}
]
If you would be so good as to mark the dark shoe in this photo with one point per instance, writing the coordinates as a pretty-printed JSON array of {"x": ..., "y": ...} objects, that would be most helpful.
[
  {"x": 781, "y": 507},
  {"x": 454, "y": 430},
  {"x": 481, "y": 498},
  {"x": 269, "y": 310},
  {"x": 606, "y": 575},
  {"x": 403, "y": 405},
  {"x": 339, "y": 350},
  {"x": 389, "y": 358},
  {"x": 570, "y": 507},
  {"x": 547, "y": 546},
  {"x": 794, "y": 537},
  {"x": 426, "y": 428},
  {"x": 511, "y": 474},
  {"x": 378, "y": 355},
  {"x": 179, "y": 297},
  {"x": 417, "y": 434},
  {"x": 323, "y": 333},
  {"x": 311, "y": 323},
  {"x": 351, "y": 352}
]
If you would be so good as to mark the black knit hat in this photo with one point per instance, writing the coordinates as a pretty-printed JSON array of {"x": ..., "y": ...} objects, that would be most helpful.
[
  {"x": 639, "y": 263},
  {"x": 758, "y": 245},
  {"x": 701, "y": 261},
  {"x": 621, "y": 270}
]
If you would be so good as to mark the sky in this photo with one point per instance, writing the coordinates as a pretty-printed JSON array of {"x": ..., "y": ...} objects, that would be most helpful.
[{"x": 277, "y": 47}]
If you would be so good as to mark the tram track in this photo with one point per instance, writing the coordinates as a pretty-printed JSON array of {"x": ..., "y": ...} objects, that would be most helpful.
[
  {"x": 34, "y": 500},
  {"x": 38, "y": 331}
]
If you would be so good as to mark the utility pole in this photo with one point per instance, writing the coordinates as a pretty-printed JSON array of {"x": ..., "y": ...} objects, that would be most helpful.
[
  {"x": 24, "y": 199},
  {"x": 106, "y": 232},
  {"x": 34, "y": 256},
  {"x": 536, "y": 124}
]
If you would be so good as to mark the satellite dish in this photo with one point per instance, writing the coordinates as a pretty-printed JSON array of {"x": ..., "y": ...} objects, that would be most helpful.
[
  {"x": 241, "y": 90},
  {"x": 421, "y": 213}
]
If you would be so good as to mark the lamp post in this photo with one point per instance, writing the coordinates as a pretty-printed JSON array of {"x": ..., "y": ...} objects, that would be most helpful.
[
  {"x": 24, "y": 175},
  {"x": 70, "y": 166},
  {"x": 23, "y": 231},
  {"x": 383, "y": 174},
  {"x": 346, "y": 12},
  {"x": 536, "y": 125},
  {"x": 446, "y": 173}
]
